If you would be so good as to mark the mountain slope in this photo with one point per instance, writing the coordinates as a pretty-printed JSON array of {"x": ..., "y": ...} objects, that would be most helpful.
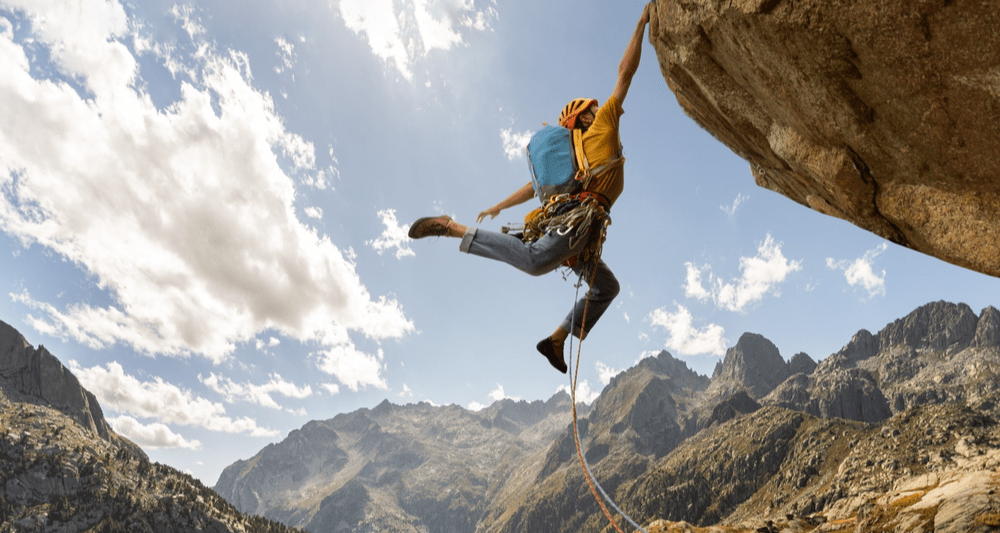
[
  {"x": 62, "y": 468},
  {"x": 640, "y": 416},
  {"x": 407, "y": 468}
]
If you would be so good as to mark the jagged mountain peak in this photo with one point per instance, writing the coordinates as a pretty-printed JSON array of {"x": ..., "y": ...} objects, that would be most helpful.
[
  {"x": 801, "y": 363},
  {"x": 663, "y": 364},
  {"x": 754, "y": 364},
  {"x": 938, "y": 326},
  {"x": 921, "y": 358},
  {"x": 988, "y": 329},
  {"x": 861, "y": 346},
  {"x": 39, "y": 375},
  {"x": 667, "y": 364}
]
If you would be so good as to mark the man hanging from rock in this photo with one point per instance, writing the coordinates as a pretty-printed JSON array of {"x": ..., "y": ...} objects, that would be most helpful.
[{"x": 570, "y": 228}]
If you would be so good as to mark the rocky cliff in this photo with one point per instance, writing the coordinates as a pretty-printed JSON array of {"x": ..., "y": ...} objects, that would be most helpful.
[
  {"x": 62, "y": 469},
  {"x": 885, "y": 114},
  {"x": 36, "y": 373}
]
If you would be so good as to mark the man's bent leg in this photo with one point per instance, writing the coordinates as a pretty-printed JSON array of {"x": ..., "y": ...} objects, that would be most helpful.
[
  {"x": 536, "y": 258},
  {"x": 603, "y": 290}
]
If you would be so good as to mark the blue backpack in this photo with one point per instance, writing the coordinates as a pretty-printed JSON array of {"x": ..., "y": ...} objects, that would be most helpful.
[
  {"x": 552, "y": 162},
  {"x": 558, "y": 163}
]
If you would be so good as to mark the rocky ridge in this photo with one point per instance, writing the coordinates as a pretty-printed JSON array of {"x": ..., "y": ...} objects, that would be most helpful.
[
  {"x": 885, "y": 114},
  {"x": 941, "y": 352},
  {"x": 37, "y": 373},
  {"x": 64, "y": 470},
  {"x": 400, "y": 468}
]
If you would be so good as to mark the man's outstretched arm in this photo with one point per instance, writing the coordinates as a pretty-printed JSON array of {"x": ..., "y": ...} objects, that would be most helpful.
[
  {"x": 630, "y": 62},
  {"x": 525, "y": 193}
]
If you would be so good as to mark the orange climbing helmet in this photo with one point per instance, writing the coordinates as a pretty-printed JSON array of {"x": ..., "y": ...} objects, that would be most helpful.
[{"x": 567, "y": 118}]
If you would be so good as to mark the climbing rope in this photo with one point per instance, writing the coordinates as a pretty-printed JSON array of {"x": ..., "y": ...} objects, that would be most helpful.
[{"x": 573, "y": 376}]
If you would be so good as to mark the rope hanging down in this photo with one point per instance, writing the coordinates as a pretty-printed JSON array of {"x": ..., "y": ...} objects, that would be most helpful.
[{"x": 576, "y": 432}]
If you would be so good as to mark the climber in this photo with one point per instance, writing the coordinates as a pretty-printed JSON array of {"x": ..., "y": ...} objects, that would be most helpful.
[{"x": 572, "y": 225}]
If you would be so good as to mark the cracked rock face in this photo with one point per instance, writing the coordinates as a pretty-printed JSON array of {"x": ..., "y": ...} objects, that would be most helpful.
[{"x": 885, "y": 114}]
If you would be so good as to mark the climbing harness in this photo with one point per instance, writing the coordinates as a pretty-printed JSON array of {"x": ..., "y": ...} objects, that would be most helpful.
[
  {"x": 579, "y": 214},
  {"x": 573, "y": 376}
]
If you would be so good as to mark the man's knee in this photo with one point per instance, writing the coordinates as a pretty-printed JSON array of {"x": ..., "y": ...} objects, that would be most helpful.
[
  {"x": 537, "y": 268},
  {"x": 613, "y": 287},
  {"x": 608, "y": 286}
]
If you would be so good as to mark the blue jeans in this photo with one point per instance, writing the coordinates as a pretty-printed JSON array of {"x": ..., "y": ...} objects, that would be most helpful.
[{"x": 543, "y": 256}]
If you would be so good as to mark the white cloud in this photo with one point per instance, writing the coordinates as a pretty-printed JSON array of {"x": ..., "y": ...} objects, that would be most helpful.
[
  {"x": 760, "y": 275},
  {"x": 514, "y": 143},
  {"x": 495, "y": 395},
  {"x": 271, "y": 343},
  {"x": 401, "y": 33},
  {"x": 683, "y": 338},
  {"x": 498, "y": 394},
  {"x": 731, "y": 209},
  {"x": 434, "y": 33},
  {"x": 584, "y": 394},
  {"x": 156, "y": 204},
  {"x": 860, "y": 271},
  {"x": 314, "y": 212},
  {"x": 407, "y": 392},
  {"x": 258, "y": 394},
  {"x": 154, "y": 435},
  {"x": 394, "y": 236},
  {"x": 332, "y": 388},
  {"x": 160, "y": 401},
  {"x": 186, "y": 16},
  {"x": 286, "y": 53},
  {"x": 605, "y": 373},
  {"x": 377, "y": 19},
  {"x": 353, "y": 368}
]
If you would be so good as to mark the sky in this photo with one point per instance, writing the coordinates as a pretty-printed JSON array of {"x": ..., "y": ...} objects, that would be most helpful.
[{"x": 204, "y": 210}]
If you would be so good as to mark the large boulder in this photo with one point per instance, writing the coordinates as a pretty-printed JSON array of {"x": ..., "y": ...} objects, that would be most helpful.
[{"x": 883, "y": 113}]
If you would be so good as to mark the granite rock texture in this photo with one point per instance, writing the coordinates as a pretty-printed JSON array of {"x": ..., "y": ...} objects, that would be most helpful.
[{"x": 885, "y": 114}]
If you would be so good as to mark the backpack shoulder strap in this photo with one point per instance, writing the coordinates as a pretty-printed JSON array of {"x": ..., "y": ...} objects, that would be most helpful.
[{"x": 585, "y": 172}]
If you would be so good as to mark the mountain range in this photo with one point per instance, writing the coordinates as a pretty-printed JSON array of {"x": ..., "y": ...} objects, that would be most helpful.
[
  {"x": 897, "y": 431},
  {"x": 764, "y": 440}
]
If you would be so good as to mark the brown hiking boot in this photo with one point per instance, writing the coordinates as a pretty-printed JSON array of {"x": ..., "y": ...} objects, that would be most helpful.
[
  {"x": 430, "y": 227},
  {"x": 553, "y": 351}
]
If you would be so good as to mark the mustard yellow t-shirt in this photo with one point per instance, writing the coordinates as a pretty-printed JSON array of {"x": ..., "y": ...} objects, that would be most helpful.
[{"x": 601, "y": 143}]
